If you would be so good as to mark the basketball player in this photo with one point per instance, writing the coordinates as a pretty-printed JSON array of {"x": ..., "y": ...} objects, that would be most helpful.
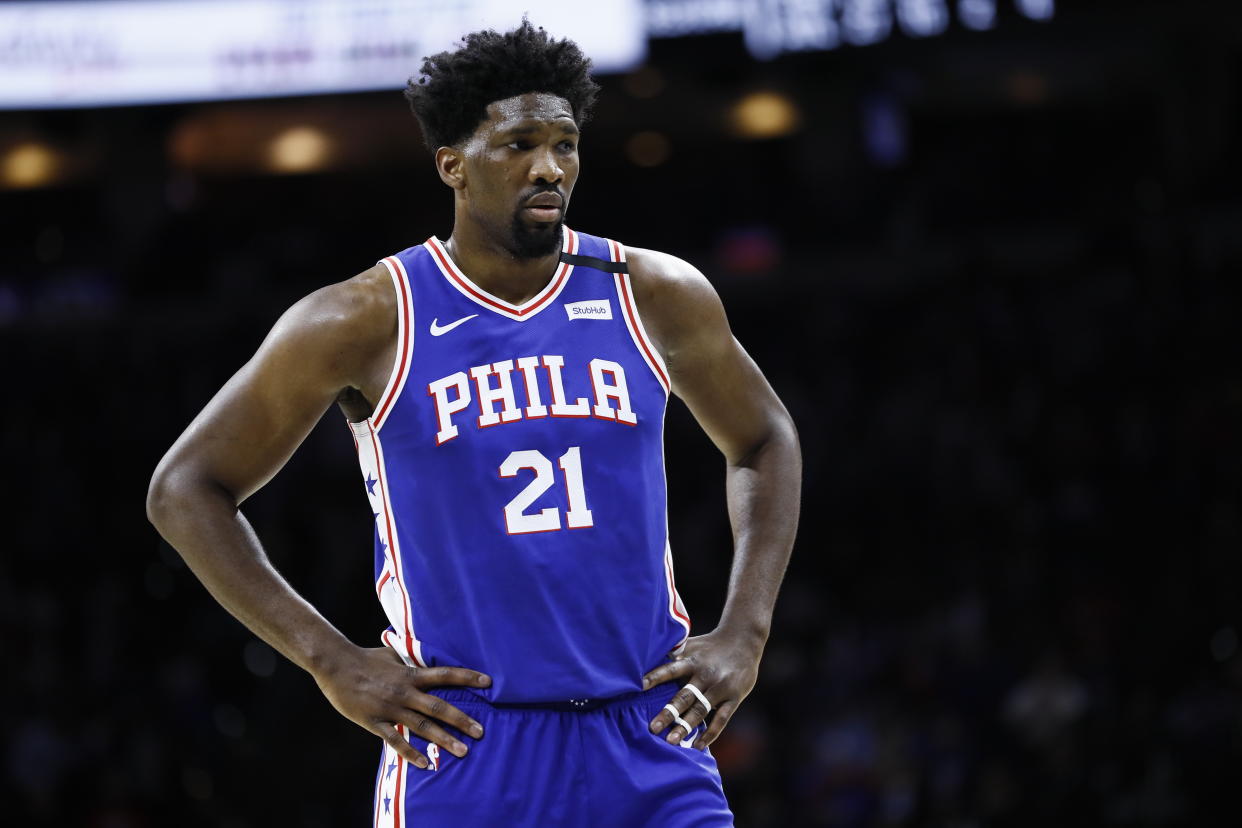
[{"x": 505, "y": 389}]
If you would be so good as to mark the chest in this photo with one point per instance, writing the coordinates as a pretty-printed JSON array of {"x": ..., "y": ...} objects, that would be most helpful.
[{"x": 566, "y": 363}]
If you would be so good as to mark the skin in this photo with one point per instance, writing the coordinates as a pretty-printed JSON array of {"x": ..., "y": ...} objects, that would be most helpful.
[{"x": 337, "y": 345}]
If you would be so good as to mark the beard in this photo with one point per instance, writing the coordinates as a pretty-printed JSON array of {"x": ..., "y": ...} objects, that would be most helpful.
[{"x": 534, "y": 241}]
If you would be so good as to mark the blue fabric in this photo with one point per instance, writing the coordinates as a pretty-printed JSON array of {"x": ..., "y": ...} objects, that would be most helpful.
[
  {"x": 602, "y": 768},
  {"x": 549, "y": 615}
]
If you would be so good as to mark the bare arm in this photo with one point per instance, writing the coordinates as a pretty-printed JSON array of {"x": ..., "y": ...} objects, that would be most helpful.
[
  {"x": 338, "y": 338},
  {"x": 733, "y": 402}
]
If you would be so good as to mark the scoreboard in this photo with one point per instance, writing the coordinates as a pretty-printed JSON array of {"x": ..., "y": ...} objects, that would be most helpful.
[
  {"x": 73, "y": 53},
  {"x": 63, "y": 54}
]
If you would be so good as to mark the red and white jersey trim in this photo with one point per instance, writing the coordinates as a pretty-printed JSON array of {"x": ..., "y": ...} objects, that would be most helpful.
[
  {"x": 389, "y": 806},
  {"x": 634, "y": 323},
  {"x": 675, "y": 607},
  {"x": 629, "y": 309},
  {"x": 391, "y": 588},
  {"x": 405, "y": 342},
  {"x": 482, "y": 298}
]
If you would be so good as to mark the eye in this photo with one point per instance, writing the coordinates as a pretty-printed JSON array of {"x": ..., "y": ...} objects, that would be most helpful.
[
  {"x": 568, "y": 146},
  {"x": 520, "y": 146}
]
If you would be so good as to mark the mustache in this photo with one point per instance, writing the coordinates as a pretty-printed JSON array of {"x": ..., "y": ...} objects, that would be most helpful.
[{"x": 540, "y": 190}]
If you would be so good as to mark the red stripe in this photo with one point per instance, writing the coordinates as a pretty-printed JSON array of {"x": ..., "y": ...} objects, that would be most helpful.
[
  {"x": 668, "y": 566},
  {"x": 465, "y": 285},
  {"x": 405, "y": 601},
  {"x": 400, "y": 800},
  {"x": 638, "y": 332},
  {"x": 399, "y": 269}
]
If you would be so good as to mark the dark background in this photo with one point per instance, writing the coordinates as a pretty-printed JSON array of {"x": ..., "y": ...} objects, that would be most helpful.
[{"x": 995, "y": 278}]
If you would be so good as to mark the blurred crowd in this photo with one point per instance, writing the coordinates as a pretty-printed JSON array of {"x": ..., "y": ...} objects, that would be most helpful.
[
  {"x": 1013, "y": 360},
  {"x": 1016, "y": 596}
]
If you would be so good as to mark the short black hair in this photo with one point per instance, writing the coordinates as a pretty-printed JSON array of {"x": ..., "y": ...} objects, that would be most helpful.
[{"x": 451, "y": 96}]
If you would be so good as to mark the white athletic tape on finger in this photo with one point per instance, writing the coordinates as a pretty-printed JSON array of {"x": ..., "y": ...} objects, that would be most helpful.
[
  {"x": 698, "y": 694},
  {"x": 677, "y": 719}
]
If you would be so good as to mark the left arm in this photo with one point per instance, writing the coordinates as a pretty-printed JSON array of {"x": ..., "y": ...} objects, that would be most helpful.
[{"x": 733, "y": 402}]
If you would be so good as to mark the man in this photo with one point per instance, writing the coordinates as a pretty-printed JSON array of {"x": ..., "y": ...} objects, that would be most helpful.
[{"x": 506, "y": 391}]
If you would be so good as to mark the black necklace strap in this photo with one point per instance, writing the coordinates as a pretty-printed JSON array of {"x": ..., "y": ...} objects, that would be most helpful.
[{"x": 598, "y": 264}]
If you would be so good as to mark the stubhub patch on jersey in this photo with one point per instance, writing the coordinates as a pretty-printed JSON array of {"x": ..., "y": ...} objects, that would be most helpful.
[{"x": 599, "y": 309}]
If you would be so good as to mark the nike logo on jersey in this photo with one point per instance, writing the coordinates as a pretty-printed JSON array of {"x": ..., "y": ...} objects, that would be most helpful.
[{"x": 441, "y": 330}]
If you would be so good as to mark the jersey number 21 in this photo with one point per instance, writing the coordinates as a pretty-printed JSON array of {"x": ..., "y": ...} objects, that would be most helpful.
[{"x": 517, "y": 520}]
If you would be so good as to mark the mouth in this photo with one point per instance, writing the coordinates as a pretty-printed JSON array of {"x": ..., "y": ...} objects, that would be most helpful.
[
  {"x": 542, "y": 213},
  {"x": 545, "y": 206}
]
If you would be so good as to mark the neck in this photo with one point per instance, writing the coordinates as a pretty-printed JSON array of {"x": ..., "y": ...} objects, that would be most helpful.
[{"x": 493, "y": 268}]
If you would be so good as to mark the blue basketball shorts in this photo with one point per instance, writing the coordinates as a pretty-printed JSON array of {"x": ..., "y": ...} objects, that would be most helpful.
[{"x": 538, "y": 766}]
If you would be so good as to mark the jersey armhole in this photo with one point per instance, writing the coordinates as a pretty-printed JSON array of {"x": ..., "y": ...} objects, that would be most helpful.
[
  {"x": 405, "y": 342},
  {"x": 633, "y": 322}
]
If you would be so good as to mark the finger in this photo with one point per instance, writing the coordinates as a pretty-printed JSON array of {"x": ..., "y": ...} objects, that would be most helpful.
[
  {"x": 392, "y": 737},
  {"x": 664, "y": 718},
  {"x": 694, "y": 715},
  {"x": 723, "y": 713},
  {"x": 667, "y": 672},
  {"x": 695, "y": 706},
  {"x": 678, "y": 731},
  {"x": 425, "y": 728},
  {"x": 689, "y": 709},
  {"x": 443, "y": 676},
  {"x": 440, "y": 710},
  {"x": 699, "y": 696}
]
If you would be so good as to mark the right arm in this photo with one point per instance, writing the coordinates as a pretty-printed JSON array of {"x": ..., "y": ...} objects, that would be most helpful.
[{"x": 337, "y": 339}]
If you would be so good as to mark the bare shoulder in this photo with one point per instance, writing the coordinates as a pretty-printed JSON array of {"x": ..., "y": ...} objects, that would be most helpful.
[
  {"x": 676, "y": 301},
  {"x": 358, "y": 308},
  {"x": 343, "y": 332},
  {"x": 656, "y": 273}
]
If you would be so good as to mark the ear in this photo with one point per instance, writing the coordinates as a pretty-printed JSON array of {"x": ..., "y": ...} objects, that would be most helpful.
[{"x": 451, "y": 165}]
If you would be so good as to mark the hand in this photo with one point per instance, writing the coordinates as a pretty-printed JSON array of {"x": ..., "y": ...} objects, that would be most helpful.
[
  {"x": 724, "y": 668},
  {"x": 375, "y": 689}
]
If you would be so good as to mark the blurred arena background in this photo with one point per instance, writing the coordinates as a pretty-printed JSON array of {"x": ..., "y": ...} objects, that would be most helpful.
[{"x": 988, "y": 251}]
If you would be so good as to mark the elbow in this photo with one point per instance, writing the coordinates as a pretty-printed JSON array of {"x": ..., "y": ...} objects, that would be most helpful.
[
  {"x": 779, "y": 438},
  {"x": 785, "y": 428},
  {"x": 784, "y": 437},
  {"x": 178, "y": 489},
  {"x": 168, "y": 494},
  {"x": 781, "y": 429},
  {"x": 791, "y": 432},
  {"x": 160, "y": 495}
]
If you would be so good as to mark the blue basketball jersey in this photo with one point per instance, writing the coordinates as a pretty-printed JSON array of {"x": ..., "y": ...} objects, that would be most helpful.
[{"x": 515, "y": 468}]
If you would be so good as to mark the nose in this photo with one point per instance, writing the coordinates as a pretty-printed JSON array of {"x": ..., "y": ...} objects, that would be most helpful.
[{"x": 544, "y": 169}]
